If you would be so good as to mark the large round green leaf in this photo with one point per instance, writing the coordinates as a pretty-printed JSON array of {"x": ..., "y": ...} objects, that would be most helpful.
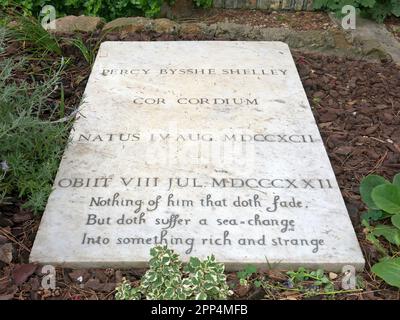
[
  {"x": 388, "y": 270},
  {"x": 366, "y": 187},
  {"x": 396, "y": 220},
  {"x": 396, "y": 179},
  {"x": 387, "y": 197}
]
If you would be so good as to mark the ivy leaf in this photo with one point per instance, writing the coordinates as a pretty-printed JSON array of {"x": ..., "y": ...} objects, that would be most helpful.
[
  {"x": 387, "y": 198},
  {"x": 201, "y": 296},
  {"x": 391, "y": 234},
  {"x": 317, "y": 283},
  {"x": 208, "y": 286},
  {"x": 151, "y": 276},
  {"x": 325, "y": 280},
  {"x": 320, "y": 273},
  {"x": 396, "y": 220},
  {"x": 181, "y": 296},
  {"x": 388, "y": 270},
  {"x": 169, "y": 294},
  {"x": 194, "y": 262},
  {"x": 250, "y": 269},
  {"x": 329, "y": 287},
  {"x": 153, "y": 252},
  {"x": 241, "y": 274},
  {"x": 366, "y": 187},
  {"x": 165, "y": 260}
]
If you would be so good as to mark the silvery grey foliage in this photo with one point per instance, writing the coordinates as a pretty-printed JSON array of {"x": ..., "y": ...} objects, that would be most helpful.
[{"x": 2, "y": 39}]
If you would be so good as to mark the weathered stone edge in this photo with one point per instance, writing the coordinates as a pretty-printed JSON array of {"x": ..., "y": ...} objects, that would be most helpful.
[{"x": 335, "y": 41}]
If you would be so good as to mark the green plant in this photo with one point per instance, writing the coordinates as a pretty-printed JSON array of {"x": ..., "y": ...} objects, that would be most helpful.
[
  {"x": 151, "y": 8},
  {"x": 281, "y": 18},
  {"x": 108, "y": 9},
  {"x": 206, "y": 279},
  {"x": 126, "y": 292},
  {"x": 389, "y": 270},
  {"x": 87, "y": 52},
  {"x": 245, "y": 274},
  {"x": 166, "y": 279},
  {"x": 318, "y": 277},
  {"x": 28, "y": 29},
  {"x": 3, "y": 36},
  {"x": 378, "y": 10},
  {"x": 383, "y": 201},
  {"x": 32, "y": 141},
  {"x": 203, "y": 3},
  {"x": 302, "y": 283}
]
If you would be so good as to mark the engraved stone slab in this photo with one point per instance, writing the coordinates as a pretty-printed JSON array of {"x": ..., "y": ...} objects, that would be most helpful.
[{"x": 207, "y": 147}]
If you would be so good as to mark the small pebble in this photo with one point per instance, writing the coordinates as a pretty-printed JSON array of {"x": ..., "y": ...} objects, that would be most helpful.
[{"x": 332, "y": 275}]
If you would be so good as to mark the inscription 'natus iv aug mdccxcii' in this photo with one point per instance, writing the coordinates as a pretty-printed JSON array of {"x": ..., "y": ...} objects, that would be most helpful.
[{"x": 206, "y": 147}]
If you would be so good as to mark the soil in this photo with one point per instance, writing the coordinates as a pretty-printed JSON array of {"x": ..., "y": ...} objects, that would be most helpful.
[
  {"x": 300, "y": 20},
  {"x": 357, "y": 108}
]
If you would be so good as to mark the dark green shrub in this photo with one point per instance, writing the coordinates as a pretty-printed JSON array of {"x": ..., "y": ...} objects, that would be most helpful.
[
  {"x": 378, "y": 10},
  {"x": 203, "y": 3},
  {"x": 108, "y": 9}
]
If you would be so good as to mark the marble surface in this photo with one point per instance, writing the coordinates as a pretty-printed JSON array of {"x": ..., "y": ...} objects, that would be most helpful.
[{"x": 207, "y": 147}]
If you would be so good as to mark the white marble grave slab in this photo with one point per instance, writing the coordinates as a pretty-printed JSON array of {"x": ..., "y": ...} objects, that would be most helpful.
[{"x": 207, "y": 147}]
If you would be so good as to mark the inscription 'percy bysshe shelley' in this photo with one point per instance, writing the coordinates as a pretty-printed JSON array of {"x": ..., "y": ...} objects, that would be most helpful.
[{"x": 190, "y": 71}]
